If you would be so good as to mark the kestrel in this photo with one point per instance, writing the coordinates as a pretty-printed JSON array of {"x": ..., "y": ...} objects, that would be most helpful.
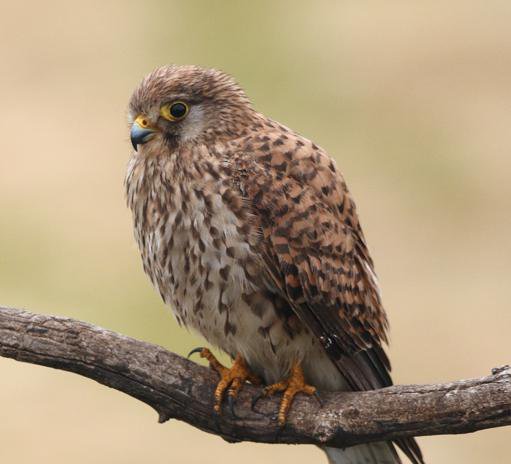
[{"x": 249, "y": 233}]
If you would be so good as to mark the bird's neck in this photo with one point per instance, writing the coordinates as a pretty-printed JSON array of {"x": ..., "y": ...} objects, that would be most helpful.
[{"x": 156, "y": 177}]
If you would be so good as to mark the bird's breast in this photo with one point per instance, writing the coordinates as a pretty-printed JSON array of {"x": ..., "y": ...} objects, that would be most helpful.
[{"x": 197, "y": 247}]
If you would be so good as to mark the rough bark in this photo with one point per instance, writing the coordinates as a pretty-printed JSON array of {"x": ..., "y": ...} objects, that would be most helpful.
[{"x": 180, "y": 389}]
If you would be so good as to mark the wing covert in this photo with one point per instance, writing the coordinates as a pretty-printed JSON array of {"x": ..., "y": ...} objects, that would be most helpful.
[{"x": 316, "y": 256}]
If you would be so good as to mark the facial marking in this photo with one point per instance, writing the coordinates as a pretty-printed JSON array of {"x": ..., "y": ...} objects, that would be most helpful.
[{"x": 193, "y": 125}]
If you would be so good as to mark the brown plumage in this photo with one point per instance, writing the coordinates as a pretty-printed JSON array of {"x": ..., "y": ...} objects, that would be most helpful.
[{"x": 248, "y": 231}]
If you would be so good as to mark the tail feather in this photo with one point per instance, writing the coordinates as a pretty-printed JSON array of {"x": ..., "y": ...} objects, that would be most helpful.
[
  {"x": 410, "y": 447},
  {"x": 371, "y": 453}
]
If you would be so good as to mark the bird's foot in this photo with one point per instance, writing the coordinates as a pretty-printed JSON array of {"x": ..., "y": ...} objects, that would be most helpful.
[
  {"x": 291, "y": 386},
  {"x": 231, "y": 380}
]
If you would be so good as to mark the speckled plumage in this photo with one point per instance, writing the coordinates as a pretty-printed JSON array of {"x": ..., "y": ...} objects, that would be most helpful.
[{"x": 248, "y": 231}]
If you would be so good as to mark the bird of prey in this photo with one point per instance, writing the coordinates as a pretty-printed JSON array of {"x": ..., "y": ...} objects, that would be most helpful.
[{"x": 249, "y": 233}]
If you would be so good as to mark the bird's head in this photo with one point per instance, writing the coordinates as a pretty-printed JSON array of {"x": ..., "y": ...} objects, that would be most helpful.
[{"x": 175, "y": 105}]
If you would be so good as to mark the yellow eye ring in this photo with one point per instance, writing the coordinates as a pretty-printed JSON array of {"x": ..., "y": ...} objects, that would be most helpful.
[{"x": 174, "y": 111}]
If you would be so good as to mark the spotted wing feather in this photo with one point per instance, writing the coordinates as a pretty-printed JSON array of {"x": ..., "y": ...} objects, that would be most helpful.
[
  {"x": 316, "y": 256},
  {"x": 313, "y": 245}
]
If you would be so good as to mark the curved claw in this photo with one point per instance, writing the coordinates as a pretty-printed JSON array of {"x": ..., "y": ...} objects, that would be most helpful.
[
  {"x": 230, "y": 402},
  {"x": 195, "y": 350},
  {"x": 255, "y": 400},
  {"x": 318, "y": 398}
]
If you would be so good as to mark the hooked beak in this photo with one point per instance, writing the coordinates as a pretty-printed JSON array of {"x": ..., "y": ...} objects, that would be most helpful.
[{"x": 141, "y": 132}]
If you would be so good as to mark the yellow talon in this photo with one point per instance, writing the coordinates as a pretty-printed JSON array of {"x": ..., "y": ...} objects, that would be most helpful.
[
  {"x": 231, "y": 380},
  {"x": 293, "y": 385}
]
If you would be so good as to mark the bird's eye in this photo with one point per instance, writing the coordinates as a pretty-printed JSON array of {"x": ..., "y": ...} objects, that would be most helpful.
[{"x": 174, "y": 111}]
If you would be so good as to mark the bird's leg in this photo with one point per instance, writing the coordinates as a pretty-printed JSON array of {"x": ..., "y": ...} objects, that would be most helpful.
[
  {"x": 294, "y": 384},
  {"x": 231, "y": 380}
]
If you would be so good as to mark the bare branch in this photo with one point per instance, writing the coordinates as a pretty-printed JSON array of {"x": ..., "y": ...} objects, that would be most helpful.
[{"x": 180, "y": 389}]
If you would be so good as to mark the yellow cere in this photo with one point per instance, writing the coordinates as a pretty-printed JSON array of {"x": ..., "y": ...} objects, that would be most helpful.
[{"x": 142, "y": 121}]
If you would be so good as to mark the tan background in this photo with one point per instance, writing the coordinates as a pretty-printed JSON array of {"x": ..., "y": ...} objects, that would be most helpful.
[{"x": 414, "y": 100}]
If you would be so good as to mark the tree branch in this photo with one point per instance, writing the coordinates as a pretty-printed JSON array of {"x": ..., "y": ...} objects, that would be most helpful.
[{"x": 180, "y": 389}]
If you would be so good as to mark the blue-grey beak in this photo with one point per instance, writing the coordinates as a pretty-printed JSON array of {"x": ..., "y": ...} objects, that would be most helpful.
[{"x": 140, "y": 135}]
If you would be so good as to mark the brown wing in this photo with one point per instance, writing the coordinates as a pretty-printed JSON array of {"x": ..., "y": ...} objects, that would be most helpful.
[
  {"x": 314, "y": 248},
  {"x": 317, "y": 258}
]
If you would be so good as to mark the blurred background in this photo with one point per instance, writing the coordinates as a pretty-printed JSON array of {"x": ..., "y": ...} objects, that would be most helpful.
[{"x": 412, "y": 98}]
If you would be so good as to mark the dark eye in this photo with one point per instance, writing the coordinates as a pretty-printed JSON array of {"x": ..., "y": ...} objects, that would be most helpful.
[
  {"x": 174, "y": 111},
  {"x": 178, "y": 110}
]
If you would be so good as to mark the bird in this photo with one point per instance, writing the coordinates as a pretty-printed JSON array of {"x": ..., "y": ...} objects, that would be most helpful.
[{"x": 249, "y": 233}]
